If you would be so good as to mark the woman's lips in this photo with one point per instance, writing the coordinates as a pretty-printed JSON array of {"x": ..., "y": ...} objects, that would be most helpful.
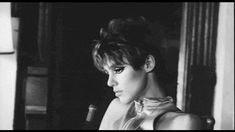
[{"x": 118, "y": 93}]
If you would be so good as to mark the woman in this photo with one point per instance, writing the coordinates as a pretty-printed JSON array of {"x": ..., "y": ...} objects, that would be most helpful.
[{"x": 137, "y": 75}]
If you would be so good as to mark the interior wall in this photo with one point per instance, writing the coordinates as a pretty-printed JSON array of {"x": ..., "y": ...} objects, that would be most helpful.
[
  {"x": 7, "y": 90},
  {"x": 224, "y": 89},
  {"x": 8, "y": 67}
]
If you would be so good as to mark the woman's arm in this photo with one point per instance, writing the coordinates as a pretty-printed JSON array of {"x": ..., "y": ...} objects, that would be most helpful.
[{"x": 187, "y": 122}]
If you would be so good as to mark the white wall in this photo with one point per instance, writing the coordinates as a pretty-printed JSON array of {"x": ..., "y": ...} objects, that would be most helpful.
[
  {"x": 8, "y": 67},
  {"x": 224, "y": 89},
  {"x": 7, "y": 90}
]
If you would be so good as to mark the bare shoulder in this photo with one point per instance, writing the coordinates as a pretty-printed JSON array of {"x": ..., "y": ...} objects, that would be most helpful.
[
  {"x": 113, "y": 112},
  {"x": 180, "y": 121},
  {"x": 113, "y": 109},
  {"x": 116, "y": 105}
]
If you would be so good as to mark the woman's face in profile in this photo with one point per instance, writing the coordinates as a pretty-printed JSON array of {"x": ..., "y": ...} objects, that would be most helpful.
[{"x": 127, "y": 83}]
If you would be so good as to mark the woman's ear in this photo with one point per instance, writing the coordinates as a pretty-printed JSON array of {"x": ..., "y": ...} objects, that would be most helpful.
[{"x": 149, "y": 63}]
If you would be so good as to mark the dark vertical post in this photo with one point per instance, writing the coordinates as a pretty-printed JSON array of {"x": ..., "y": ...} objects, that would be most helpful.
[{"x": 200, "y": 43}]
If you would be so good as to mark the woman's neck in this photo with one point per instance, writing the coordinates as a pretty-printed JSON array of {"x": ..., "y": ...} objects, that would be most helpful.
[{"x": 153, "y": 88}]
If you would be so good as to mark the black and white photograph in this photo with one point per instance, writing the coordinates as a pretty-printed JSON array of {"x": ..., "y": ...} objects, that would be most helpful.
[{"x": 117, "y": 65}]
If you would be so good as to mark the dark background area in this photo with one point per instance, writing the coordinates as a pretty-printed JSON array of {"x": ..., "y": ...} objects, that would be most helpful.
[{"x": 74, "y": 83}]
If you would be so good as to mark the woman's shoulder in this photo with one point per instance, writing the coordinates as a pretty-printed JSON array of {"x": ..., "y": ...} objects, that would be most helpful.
[
  {"x": 114, "y": 107},
  {"x": 114, "y": 111},
  {"x": 180, "y": 121},
  {"x": 115, "y": 104}
]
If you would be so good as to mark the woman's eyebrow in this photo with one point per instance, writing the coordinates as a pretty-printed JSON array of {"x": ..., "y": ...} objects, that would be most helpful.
[{"x": 115, "y": 66}]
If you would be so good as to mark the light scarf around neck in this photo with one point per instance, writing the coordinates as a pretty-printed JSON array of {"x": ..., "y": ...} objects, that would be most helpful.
[{"x": 142, "y": 113}]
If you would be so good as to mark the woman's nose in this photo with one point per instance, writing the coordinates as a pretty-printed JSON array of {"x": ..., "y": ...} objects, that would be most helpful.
[{"x": 111, "y": 81}]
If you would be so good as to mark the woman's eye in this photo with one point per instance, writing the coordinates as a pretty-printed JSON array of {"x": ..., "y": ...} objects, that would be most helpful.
[{"x": 118, "y": 70}]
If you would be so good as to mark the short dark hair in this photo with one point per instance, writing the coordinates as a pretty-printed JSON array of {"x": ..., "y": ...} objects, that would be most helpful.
[{"x": 127, "y": 41}]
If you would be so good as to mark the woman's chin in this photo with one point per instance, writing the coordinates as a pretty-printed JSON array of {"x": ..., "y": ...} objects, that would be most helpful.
[{"x": 124, "y": 101}]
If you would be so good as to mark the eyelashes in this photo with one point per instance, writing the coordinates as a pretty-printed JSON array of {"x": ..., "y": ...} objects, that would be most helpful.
[
  {"x": 115, "y": 70},
  {"x": 118, "y": 70}
]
